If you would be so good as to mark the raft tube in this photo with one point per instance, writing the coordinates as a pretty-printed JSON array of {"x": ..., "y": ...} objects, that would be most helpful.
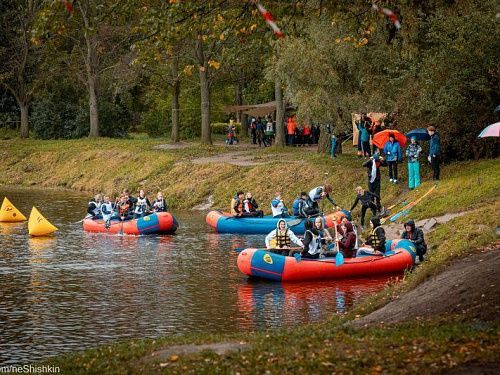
[
  {"x": 224, "y": 222},
  {"x": 155, "y": 223},
  {"x": 399, "y": 255}
]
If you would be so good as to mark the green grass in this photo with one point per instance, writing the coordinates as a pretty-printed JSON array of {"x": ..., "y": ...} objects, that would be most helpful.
[{"x": 422, "y": 346}]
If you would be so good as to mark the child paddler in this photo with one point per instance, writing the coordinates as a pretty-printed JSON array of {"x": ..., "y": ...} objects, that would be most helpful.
[
  {"x": 284, "y": 238},
  {"x": 108, "y": 210}
]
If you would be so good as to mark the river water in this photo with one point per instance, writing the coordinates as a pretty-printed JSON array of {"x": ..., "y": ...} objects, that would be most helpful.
[{"x": 77, "y": 290}]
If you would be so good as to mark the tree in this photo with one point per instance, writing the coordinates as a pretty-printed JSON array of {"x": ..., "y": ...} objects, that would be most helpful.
[
  {"x": 91, "y": 38},
  {"x": 18, "y": 54}
]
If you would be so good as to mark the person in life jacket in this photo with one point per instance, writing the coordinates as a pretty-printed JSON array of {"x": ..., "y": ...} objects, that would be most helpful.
[
  {"x": 278, "y": 206},
  {"x": 124, "y": 207},
  {"x": 373, "y": 168},
  {"x": 94, "y": 207},
  {"x": 142, "y": 205},
  {"x": 319, "y": 193},
  {"x": 108, "y": 211},
  {"x": 316, "y": 237},
  {"x": 283, "y": 236},
  {"x": 159, "y": 204},
  {"x": 346, "y": 236},
  {"x": 250, "y": 206},
  {"x": 130, "y": 199},
  {"x": 375, "y": 245},
  {"x": 300, "y": 206},
  {"x": 237, "y": 206},
  {"x": 367, "y": 202},
  {"x": 415, "y": 235}
]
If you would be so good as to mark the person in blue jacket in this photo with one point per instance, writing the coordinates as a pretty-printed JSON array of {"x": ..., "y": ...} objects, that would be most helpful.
[
  {"x": 393, "y": 155},
  {"x": 434, "y": 152},
  {"x": 365, "y": 138}
]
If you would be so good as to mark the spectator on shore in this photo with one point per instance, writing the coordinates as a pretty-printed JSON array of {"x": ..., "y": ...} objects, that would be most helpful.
[
  {"x": 290, "y": 130},
  {"x": 373, "y": 168},
  {"x": 392, "y": 151},
  {"x": 434, "y": 152},
  {"x": 412, "y": 153}
]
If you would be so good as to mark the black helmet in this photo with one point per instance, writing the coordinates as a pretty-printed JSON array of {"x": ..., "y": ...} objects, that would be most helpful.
[{"x": 375, "y": 221}]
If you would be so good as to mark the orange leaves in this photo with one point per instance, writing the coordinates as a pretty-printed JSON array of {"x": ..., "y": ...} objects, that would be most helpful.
[{"x": 214, "y": 64}]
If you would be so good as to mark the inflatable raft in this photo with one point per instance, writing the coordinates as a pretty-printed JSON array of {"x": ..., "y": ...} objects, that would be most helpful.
[
  {"x": 155, "y": 223},
  {"x": 399, "y": 255},
  {"x": 224, "y": 222}
]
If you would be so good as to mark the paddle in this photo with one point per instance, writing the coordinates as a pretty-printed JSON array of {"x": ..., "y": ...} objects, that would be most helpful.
[
  {"x": 404, "y": 211},
  {"x": 240, "y": 249},
  {"x": 339, "y": 258}
]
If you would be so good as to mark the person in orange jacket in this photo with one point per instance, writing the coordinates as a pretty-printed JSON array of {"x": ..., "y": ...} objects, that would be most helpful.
[{"x": 290, "y": 129}]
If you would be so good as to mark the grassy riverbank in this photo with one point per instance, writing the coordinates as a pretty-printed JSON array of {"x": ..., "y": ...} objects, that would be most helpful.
[
  {"x": 109, "y": 165},
  {"x": 430, "y": 344}
]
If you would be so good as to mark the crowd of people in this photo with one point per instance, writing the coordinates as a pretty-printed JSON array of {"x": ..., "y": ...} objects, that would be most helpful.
[
  {"x": 317, "y": 241},
  {"x": 124, "y": 207}
]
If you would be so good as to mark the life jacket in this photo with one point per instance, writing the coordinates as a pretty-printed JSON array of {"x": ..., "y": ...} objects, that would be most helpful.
[
  {"x": 315, "y": 244},
  {"x": 97, "y": 209},
  {"x": 277, "y": 207},
  {"x": 282, "y": 239},
  {"x": 107, "y": 210},
  {"x": 375, "y": 241},
  {"x": 296, "y": 206},
  {"x": 124, "y": 208},
  {"x": 141, "y": 205},
  {"x": 239, "y": 206},
  {"x": 160, "y": 205},
  {"x": 248, "y": 206}
]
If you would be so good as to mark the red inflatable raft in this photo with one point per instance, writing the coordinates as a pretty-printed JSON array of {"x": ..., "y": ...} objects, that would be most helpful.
[
  {"x": 400, "y": 255},
  {"x": 156, "y": 223}
]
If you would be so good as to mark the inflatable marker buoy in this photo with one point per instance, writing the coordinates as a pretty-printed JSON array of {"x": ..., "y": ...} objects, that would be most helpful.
[
  {"x": 38, "y": 225},
  {"x": 9, "y": 213}
]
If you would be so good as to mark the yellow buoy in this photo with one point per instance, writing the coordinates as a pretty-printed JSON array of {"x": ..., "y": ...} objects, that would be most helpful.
[
  {"x": 38, "y": 225},
  {"x": 9, "y": 213}
]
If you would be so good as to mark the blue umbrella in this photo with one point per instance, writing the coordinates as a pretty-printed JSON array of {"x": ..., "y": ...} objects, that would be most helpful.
[
  {"x": 420, "y": 134},
  {"x": 497, "y": 110}
]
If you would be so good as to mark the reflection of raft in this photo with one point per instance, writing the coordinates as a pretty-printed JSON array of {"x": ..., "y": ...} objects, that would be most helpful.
[
  {"x": 223, "y": 222},
  {"x": 400, "y": 255},
  {"x": 156, "y": 223}
]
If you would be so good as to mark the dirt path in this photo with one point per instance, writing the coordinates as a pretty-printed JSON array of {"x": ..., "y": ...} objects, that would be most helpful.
[
  {"x": 471, "y": 286},
  {"x": 427, "y": 225}
]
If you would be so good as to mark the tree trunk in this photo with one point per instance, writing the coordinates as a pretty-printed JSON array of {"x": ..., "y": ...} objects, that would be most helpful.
[
  {"x": 175, "y": 102},
  {"x": 244, "y": 129},
  {"x": 239, "y": 100},
  {"x": 24, "y": 131},
  {"x": 324, "y": 140},
  {"x": 280, "y": 114},
  {"x": 94, "y": 112},
  {"x": 206, "y": 136}
]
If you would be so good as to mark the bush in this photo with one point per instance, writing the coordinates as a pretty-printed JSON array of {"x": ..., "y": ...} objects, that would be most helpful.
[{"x": 222, "y": 127}]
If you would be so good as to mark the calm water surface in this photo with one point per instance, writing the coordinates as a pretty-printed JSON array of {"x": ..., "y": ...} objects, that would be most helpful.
[{"x": 77, "y": 290}]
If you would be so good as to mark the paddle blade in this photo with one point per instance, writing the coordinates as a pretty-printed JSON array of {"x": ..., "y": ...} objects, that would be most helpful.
[
  {"x": 339, "y": 259},
  {"x": 294, "y": 222}
]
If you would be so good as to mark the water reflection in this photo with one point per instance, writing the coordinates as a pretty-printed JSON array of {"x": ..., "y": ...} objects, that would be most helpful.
[
  {"x": 269, "y": 305},
  {"x": 77, "y": 290}
]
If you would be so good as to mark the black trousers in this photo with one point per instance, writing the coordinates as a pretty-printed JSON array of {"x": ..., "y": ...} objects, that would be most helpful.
[
  {"x": 435, "y": 161},
  {"x": 366, "y": 148},
  {"x": 393, "y": 169},
  {"x": 372, "y": 207},
  {"x": 374, "y": 187}
]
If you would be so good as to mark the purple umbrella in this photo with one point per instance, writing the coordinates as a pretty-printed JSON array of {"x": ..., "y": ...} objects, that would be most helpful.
[{"x": 490, "y": 131}]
